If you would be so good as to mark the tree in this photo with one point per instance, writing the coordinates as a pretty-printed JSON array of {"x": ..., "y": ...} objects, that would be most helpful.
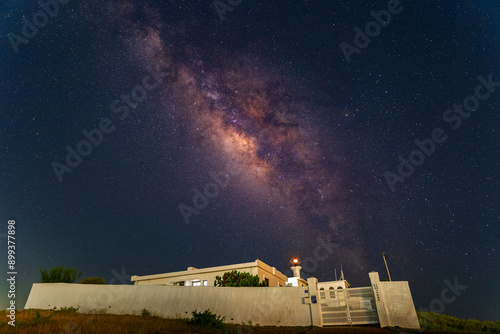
[
  {"x": 59, "y": 275},
  {"x": 93, "y": 280},
  {"x": 236, "y": 278}
]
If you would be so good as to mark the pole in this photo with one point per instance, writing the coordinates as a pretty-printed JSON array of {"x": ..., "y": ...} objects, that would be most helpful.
[{"x": 386, "y": 267}]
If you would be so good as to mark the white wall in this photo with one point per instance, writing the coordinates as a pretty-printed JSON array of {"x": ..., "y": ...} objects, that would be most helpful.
[
  {"x": 394, "y": 303},
  {"x": 399, "y": 304},
  {"x": 265, "y": 306}
]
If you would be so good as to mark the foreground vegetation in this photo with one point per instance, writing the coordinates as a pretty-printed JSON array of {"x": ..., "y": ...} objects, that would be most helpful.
[
  {"x": 439, "y": 323},
  {"x": 70, "y": 321}
]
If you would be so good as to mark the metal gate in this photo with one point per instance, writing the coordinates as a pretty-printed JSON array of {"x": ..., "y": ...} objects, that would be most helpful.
[{"x": 354, "y": 306}]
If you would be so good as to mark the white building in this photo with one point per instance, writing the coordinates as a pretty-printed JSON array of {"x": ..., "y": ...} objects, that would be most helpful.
[
  {"x": 206, "y": 276},
  {"x": 296, "y": 280},
  {"x": 297, "y": 303}
]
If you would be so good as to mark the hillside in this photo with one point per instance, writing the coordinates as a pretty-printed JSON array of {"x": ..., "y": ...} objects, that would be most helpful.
[{"x": 71, "y": 322}]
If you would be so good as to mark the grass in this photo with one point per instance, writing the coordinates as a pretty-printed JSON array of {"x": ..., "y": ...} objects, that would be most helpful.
[
  {"x": 66, "y": 309},
  {"x": 68, "y": 320},
  {"x": 49, "y": 321},
  {"x": 439, "y": 323}
]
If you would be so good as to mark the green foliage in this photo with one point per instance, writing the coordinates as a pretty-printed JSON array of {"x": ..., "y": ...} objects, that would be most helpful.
[
  {"x": 444, "y": 323},
  {"x": 93, "y": 280},
  {"x": 236, "y": 278},
  {"x": 40, "y": 319},
  {"x": 59, "y": 275},
  {"x": 207, "y": 319},
  {"x": 65, "y": 309},
  {"x": 145, "y": 313},
  {"x": 248, "y": 323}
]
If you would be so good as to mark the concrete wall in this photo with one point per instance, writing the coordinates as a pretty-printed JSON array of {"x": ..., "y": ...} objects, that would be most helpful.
[
  {"x": 394, "y": 303},
  {"x": 399, "y": 304},
  {"x": 285, "y": 306}
]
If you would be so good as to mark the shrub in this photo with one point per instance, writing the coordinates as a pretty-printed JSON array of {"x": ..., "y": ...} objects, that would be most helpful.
[
  {"x": 207, "y": 319},
  {"x": 445, "y": 323},
  {"x": 40, "y": 319},
  {"x": 93, "y": 280},
  {"x": 59, "y": 275},
  {"x": 65, "y": 309},
  {"x": 145, "y": 313},
  {"x": 236, "y": 278}
]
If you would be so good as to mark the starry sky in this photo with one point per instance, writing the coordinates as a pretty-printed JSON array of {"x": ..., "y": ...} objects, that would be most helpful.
[{"x": 141, "y": 137}]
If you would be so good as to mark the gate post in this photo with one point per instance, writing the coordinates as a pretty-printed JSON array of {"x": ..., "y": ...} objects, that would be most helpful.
[
  {"x": 312, "y": 287},
  {"x": 379, "y": 299}
]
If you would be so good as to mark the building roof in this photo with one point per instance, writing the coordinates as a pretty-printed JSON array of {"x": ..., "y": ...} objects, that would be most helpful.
[{"x": 194, "y": 271}]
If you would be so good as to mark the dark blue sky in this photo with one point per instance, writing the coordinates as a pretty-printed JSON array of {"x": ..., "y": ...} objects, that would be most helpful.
[{"x": 308, "y": 136}]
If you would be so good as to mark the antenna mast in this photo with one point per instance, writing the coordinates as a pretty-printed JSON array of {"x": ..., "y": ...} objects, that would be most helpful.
[{"x": 386, "y": 267}]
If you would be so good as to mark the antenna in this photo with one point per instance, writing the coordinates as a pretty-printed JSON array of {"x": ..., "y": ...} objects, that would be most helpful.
[
  {"x": 336, "y": 274},
  {"x": 386, "y": 267},
  {"x": 341, "y": 273}
]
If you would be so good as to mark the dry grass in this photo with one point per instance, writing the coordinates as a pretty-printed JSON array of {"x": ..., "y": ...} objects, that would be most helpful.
[
  {"x": 76, "y": 323},
  {"x": 29, "y": 322}
]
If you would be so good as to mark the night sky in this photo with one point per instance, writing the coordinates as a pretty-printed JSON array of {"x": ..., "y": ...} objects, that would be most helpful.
[{"x": 214, "y": 134}]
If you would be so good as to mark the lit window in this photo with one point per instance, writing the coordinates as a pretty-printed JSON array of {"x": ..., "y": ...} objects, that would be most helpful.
[
  {"x": 196, "y": 283},
  {"x": 205, "y": 283}
]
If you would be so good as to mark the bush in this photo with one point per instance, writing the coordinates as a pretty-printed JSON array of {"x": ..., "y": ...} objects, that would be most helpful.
[
  {"x": 236, "y": 278},
  {"x": 40, "y": 319},
  {"x": 65, "y": 309},
  {"x": 93, "y": 280},
  {"x": 145, "y": 313},
  {"x": 207, "y": 319},
  {"x": 445, "y": 323},
  {"x": 59, "y": 275}
]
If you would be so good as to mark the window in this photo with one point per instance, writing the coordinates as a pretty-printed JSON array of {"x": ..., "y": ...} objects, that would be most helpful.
[
  {"x": 267, "y": 281},
  {"x": 205, "y": 283},
  {"x": 196, "y": 283},
  {"x": 179, "y": 283}
]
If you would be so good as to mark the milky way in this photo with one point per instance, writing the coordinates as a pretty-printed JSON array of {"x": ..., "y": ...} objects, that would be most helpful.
[
  {"x": 247, "y": 112},
  {"x": 266, "y": 92}
]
